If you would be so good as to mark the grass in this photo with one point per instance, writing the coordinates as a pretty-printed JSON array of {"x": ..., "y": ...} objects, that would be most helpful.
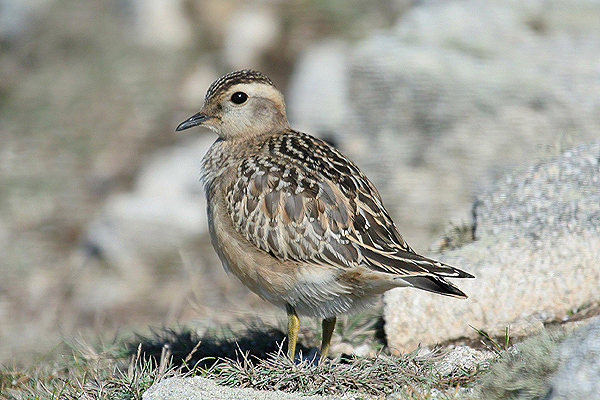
[
  {"x": 523, "y": 372},
  {"x": 494, "y": 344},
  {"x": 83, "y": 374},
  {"x": 254, "y": 358},
  {"x": 106, "y": 377},
  {"x": 377, "y": 376}
]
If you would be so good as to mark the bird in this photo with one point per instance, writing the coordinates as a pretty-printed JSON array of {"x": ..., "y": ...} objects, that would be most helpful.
[{"x": 296, "y": 220}]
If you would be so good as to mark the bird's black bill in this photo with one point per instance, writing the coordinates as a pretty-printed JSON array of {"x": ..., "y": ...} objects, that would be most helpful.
[{"x": 192, "y": 121}]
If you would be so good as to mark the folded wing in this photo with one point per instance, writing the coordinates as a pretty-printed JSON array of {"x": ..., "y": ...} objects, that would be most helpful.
[{"x": 303, "y": 200}]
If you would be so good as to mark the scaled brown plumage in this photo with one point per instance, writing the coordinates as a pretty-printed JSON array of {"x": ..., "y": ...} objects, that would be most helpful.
[{"x": 294, "y": 218}]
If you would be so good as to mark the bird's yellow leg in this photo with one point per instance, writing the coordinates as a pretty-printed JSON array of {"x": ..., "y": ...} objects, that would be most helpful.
[
  {"x": 328, "y": 327},
  {"x": 293, "y": 327}
]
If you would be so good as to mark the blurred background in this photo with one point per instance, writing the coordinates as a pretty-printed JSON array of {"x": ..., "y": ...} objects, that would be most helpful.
[{"x": 102, "y": 215}]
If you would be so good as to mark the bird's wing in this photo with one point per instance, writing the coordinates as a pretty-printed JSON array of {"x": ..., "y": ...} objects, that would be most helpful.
[{"x": 301, "y": 199}]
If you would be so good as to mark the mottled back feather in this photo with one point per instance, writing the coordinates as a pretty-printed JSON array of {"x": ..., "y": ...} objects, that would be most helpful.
[{"x": 298, "y": 198}]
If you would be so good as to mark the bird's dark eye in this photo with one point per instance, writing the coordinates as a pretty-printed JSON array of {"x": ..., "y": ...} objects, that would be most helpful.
[{"x": 239, "y": 97}]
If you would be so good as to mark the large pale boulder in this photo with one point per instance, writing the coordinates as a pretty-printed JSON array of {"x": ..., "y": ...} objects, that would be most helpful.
[
  {"x": 455, "y": 91},
  {"x": 536, "y": 257}
]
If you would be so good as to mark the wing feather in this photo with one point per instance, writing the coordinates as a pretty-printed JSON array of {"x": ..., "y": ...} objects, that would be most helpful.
[{"x": 300, "y": 199}]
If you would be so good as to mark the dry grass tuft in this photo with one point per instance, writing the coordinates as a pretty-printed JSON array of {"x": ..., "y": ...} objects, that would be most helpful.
[
  {"x": 377, "y": 376},
  {"x": 84, "y": 374},
  {"x": 254, "y": 358}
]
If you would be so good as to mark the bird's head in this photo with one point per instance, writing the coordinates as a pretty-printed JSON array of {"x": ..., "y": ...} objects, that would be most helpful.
[{"x": 241, "y": 105}]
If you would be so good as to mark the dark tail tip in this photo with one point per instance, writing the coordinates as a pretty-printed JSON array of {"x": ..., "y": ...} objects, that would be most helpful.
[{"x": 436, "y": 285}]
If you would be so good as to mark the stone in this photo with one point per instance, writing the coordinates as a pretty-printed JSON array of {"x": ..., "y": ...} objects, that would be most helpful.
[
  {"x": 162, "y": 23},
  {"x": 559, "y": 363},
  {"x": 458, "y": 91},
  {"x": 535, "y": 257},
  {"x": 317, "y": 98},
  {"x": 197, "y": 388},
  {"x": 463, "y": 358},
  {"x": 165, "y": 208},
  {"x": 251, "y": 31},
  {"x": 579, "y": 369}
]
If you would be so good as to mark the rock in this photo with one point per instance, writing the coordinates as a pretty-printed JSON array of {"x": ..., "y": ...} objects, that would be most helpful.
[
  {"x": 251, "y": 31},
  {"x": 556, "y": 364},
  {"x": 195, "y": 83},
  {"x": 463, "y": 358},
  {"x": 577, "y": 375},
  {"x": 165, "y": 208},
  {"x": 317, "y": 98},
  {"x": 461, "y": 89},
  {"x": 535, "y": 257},
  {"x": 522, "y": 371},
  {"x": 197, "y": 388},
  {"x": 554, "y": 198},
  {"x": 16, "y": 16},
  {"x": 162, "y": 22}
]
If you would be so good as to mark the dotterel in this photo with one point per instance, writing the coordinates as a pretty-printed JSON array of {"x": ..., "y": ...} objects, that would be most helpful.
[{"x": 293, "y": 218}]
